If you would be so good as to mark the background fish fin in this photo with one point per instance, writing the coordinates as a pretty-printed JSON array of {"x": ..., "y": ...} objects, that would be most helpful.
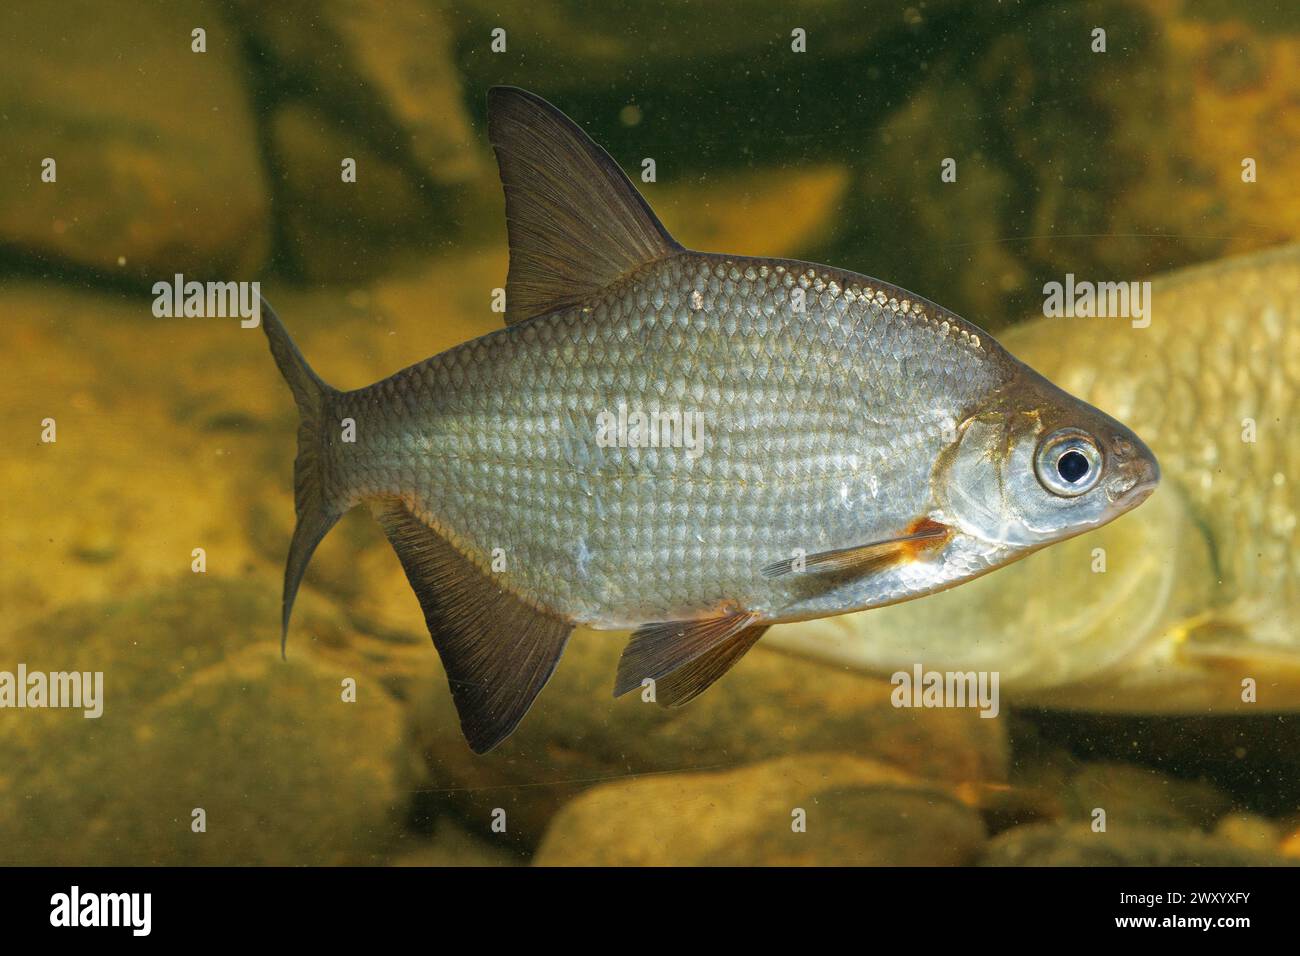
[
  {"x": 1243, "y": 635},
  {"x": 575, "y": 221},
  {"x": 660, "y": 648},
  {"x": 498, "y": 651},
  {"x": 688, "y": 682},
  {"x": 866, "y": 557}
]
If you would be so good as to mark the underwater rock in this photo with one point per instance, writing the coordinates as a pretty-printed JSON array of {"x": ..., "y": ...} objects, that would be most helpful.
[
  {"x": 769, "y": 705},
  {"x": 1059, "y": 168},
  {"x": 335, "y": 230},
  {"x": 1250, "y": 831},
  {"x": 96, "y": 544},
  {"x": 452, "y": 845},
  {"x": 1022, "y": 121},
  {"x": 1290, "y": 842},
  {"x": 134, "y": 481},
  {"x": 578, "y": 48},
  {"x": 1042, "y": 844},
  {"x": 1252, "y": 758},
  {"x": 767, "y": 212},
  {"x": 949, "y": 251},
  {"x": 155, "y": 149},
  {"x": 1135, "y": 797},
  {"x": 199, "y": 713},
  {"x": 1224, "y": 92},
  {"x": 823, "y": 809},
  {"x": 1238, "y": 94},
  {"x": 385, "y": 65}
]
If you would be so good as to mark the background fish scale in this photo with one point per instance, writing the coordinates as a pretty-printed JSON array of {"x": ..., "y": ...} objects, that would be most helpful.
[
  {"x": 819, "y": 431},
  {"x": 1215, "y": 361}
]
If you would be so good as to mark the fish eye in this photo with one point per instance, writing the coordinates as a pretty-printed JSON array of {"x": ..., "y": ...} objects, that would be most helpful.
[{"x": 1068, "y": 463}]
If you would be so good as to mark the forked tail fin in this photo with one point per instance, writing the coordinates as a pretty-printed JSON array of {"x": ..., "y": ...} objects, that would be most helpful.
[{"x": 318, "y": 509}]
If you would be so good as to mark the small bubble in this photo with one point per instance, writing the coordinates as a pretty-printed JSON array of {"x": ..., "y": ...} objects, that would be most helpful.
[{"x": 630, "y": 115}]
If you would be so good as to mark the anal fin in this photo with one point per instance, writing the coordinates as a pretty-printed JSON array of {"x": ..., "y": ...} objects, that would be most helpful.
[
  {"x": 685, "y": 657},
  {"x": 498, "y": 651},
  {"x": 689, "y": 681}
]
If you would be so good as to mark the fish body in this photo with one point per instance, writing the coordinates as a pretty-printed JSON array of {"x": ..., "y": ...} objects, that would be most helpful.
[
  {"x": 1172, "y": 610},
  {"x": 818, "y": 431},
  {"x": 832, "y": 443}
]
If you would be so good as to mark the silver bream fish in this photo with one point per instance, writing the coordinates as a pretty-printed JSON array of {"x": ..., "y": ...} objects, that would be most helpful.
[{"x": 694, "y": 446}]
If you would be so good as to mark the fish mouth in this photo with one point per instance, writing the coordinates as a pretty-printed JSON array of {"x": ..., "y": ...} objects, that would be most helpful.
[
  {"x": 1139, "y": 493},
  {"x": 1141, "y": 477}
]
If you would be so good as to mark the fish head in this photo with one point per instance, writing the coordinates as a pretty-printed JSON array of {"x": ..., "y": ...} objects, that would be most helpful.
[{"x": 1034, "y": 465}]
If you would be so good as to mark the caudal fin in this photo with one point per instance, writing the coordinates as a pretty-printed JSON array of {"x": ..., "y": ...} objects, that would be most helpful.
[{"x": 317, "y": 510}]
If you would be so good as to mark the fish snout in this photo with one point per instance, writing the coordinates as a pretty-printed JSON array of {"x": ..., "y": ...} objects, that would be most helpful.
[{"x": 1136, "y": 472}]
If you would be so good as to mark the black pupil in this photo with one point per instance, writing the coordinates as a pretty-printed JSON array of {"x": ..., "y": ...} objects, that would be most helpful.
[{"x": 1072, "y": 466}]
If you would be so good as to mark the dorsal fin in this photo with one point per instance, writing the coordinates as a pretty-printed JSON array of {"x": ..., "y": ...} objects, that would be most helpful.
[{"x": 575, "y": 221}]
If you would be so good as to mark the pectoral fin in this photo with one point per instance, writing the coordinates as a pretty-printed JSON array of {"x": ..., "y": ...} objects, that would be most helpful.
[
  {"x": 497, "y": 650},
  {"x": 867, "y": 557},
  {"x": 658, "y": 650}
]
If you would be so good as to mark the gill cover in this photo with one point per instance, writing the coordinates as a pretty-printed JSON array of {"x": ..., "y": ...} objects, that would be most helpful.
[{"x": 1011, "y": 478}]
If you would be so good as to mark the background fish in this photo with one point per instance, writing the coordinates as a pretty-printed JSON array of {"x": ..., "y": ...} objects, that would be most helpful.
[
  {"x": 861, "y": 446},
  {"x": 1204, "y": 589}
]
